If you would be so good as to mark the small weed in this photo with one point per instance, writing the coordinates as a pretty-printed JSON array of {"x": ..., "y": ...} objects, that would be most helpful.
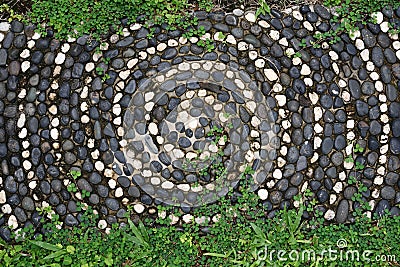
[
  {"x": 75, "y": 174},
  {"x": 106, "y": 60},
  {"x": 205, "y": 5},
  {"x": 303, "y": 43},
  {"x": 359, "y": 166},
  {"x": 99, "y": 70},
  {"x": 207, "y": 43},
  {"x": 80, "y": 206},
  {"x": 194, "y": 32},
  {"x": 105, "y": 77},
  {"x": 85, "y": 193},
  {"x": 4, "y": 8},
  {"x": 297, "y": 55},
  {"x": 358, "y": 149},
  {"x": 349, "y": 159},
  {"x": 263, "y": 8},
  {"x": 151, "y": 33},
  {"x": 44, "y": 210},
  {"x": 349, "y": 14},
  {"x": 72, "y": 188},
  {"x": 221, "y": 36}
]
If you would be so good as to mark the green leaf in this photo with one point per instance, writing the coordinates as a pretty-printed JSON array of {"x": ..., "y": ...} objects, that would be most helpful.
[
  {"x": 140, "y": 234},
  {"x": 108, "y": 261},
  {"x": 219, "y": 255},
  {"x": 67, "y": 260},
  {"x": 70, "y": 249},
  {"x": 56, "y": 254},
  {"x": 45, "y": 245}
]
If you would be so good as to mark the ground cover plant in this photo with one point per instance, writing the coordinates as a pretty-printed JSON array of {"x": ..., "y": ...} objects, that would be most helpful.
[
  {"x": 236, "y": 232},
  {"x": 350, "y": 15},
  {"x": 99, "y": 17}
]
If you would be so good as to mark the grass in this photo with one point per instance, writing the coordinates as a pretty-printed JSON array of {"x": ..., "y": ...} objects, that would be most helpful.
[
  {"x": 241, "y": 236},
  {"x": 351, "y": 13},
  {"x": 98, "y": 18}
]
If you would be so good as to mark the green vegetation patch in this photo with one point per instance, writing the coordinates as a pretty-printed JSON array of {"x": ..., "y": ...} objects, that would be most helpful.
[
  {"x": 76, "y": 17},
  {"x": 233, "y": 232},
  {"x": 353, "y": 12}
]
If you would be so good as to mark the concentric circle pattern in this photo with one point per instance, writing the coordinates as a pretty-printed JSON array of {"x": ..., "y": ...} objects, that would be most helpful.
[{"x": 200, "y": 127}]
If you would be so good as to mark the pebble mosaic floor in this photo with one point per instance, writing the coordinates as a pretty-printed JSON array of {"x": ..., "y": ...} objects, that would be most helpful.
[{"x": 140, "y": 135}]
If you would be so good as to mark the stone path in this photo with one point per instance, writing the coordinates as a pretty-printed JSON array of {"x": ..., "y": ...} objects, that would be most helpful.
[{"x": 140, "y": 134}]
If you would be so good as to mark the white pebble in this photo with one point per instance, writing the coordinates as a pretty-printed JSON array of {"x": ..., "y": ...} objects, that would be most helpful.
[
  {"x": 333, "y": 55},
  {"x": 346, "y": 96},
  {"x": 308, "y": 26},
  {"x": 124, "y": 74},
  {"x": 242, "y": 46},
  {"x": 60, "y": 59},
  {"x": 250, "y": 16},
  {"x": 277, "y": 174},
  {"x": 2, "y": 197},
  {"x": 374, "y": 76},
  {"x": 329, "y": 215},
  {"x": 119, "y": 192},
  {"x": 283, "y": 42},
  {"x": 27, "y": 165},
  {"x": 396, "y": 45},
  {"x": 153, "y": 129},
  {"x": 32, "y": 184},
  {"x": 187, "y": 218},
  {"x": 6, "y": 209},
  {"x": 172, "y": 43},
  {"x": 332, "y": 199},
  {"x": 379, "y": 86},
  {"x": 99, "y": 165},
  {"x": 281, "y": 99},
  {"x": 264, "y": 24},
  {"x": 263, "y": 194},
  {"x": 161, "y": 47},
  {"x": 231, "y": 39},
  {"x": 338, "y": 187},
  {"x": 378, "y": 180},
  {"x": 102, "y": 224},
  {"x": 378, "y": 17},
  {"x": 305, "y": 70},
  {"x": 365, "y": 54},
  {"x": 360, "y": 44},
  {"x": 297, "y": 15},
  {"x": 385, "y": 26},
  {"x": 25, "y": 66},
  {"x": 370, "y": 66},
  {"x": 65, "y": 48},
  {"x": 274, "y": 35},
  {"x": 253, "y": 55},
  {"x": 24, "y": 54},
  {"x": 12, "y": 222},
  {"x": 4, "y": 26},
  {"x": 167, "y": 185},
  {"x": 270, "y": 74},
  {"x": 54, "y": 134},
  {"x": 139, "y": 208}
]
